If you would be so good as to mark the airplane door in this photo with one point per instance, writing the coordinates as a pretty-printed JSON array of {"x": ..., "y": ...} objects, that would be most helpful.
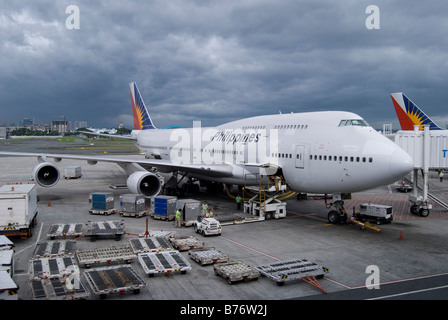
[{"x": 300, "y": 157}]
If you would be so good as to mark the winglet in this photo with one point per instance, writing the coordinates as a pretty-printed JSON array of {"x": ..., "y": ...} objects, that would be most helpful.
[
  {"x": 142, "y": 120},
  {"x": 409, "y": 114}
]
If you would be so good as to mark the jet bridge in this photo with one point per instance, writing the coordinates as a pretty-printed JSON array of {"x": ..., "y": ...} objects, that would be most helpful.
[{"x": 429, "y": 150}]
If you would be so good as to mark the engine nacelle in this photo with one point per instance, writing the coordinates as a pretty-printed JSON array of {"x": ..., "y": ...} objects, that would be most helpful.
[
  {"x": 46, "y": 174},
  {"x": 146, "y": 183}
]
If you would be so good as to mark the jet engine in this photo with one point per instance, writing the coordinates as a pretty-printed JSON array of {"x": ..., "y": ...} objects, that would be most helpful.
[
  {"x": 143, "y": 182},
  {"x": 46, "y": 174}
]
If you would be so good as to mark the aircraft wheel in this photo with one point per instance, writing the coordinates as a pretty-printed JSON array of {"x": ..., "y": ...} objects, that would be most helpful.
[
  {"x": 333, "y": 217},
  {"x": 423, "y": 213}
]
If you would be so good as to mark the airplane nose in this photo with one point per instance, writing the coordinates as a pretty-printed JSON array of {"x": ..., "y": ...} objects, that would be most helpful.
[{"x": 400, "y": 163}]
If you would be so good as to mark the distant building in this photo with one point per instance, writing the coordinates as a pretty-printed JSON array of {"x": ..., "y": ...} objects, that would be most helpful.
[
  {"x": 79, "y": 125},
  {"x": 60, "y": 126}
]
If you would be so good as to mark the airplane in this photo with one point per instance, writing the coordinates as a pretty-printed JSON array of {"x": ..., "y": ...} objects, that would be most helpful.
[
  {"x": 409, "y": 114},
  {"x": 327, "y": 152}
]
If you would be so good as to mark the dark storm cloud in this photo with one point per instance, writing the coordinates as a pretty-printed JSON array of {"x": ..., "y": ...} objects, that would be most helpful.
[{"x": 217, "y": 61}]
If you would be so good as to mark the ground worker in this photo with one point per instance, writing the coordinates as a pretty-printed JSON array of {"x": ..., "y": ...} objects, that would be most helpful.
[
  {"x": 178, "y": 219},
  {"x": 204, "y": 208},
  {"x": 238, "y": 202}
]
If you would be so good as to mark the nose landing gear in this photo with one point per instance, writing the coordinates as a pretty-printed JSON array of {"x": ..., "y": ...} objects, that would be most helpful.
[{"x": 339, "y": 214}]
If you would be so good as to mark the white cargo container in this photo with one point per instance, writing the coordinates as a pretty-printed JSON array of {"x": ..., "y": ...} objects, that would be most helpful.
[{"x": 18, "y": 209}]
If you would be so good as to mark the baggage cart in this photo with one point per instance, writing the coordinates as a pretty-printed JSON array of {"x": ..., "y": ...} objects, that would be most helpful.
[
  {"x": 208, "y": 255},
  {"x": 297, "y": 269},
  {"x": 48, "y": 268},
  {"x": 115, "y": 279},
  {"x": 51, "y": 249},
  {"x": 163, "y": 262},
  {"x": 150, "y": 244},
  {"x": 72, "y": 230},
  {"x": 105, "y": 229},
  {"x": 57, "y": 289},
  {"x": 98, "y": 256},
  {"x": 236, "y": 271},
  {"x": 186, "y": 243}
]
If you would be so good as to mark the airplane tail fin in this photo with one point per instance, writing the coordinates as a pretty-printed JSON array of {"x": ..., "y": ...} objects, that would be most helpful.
[
  {"x": 409, "y": 114},
  {"x": 142, "y": 120}
]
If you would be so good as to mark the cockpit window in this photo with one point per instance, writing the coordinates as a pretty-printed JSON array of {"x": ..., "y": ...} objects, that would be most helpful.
[{"x": 353, "y": 122}]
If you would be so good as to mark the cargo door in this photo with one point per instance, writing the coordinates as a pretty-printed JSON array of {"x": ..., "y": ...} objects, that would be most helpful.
[{"x": 300, "y": 156}]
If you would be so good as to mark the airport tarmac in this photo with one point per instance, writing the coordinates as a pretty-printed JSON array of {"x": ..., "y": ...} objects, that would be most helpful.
[{"x": 411, "y": 252}]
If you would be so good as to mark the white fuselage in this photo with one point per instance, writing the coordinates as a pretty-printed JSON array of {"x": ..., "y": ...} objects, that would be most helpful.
[{"x": 317, "y": 152}]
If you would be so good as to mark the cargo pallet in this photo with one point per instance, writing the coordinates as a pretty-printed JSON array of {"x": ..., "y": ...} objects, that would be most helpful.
[
  {"x": 51, "y": 249},
  {"x": 97, "y": 256},
  {"x": 72, "y": 230},
  {"x": 186, "y": 243},
  {"x": 298, "y": 269},
  {"x": 163, "y": 262},
  {"x": 236, "y": 271},
  {"x": 115, "y": 279},
  {"x": 56, "y": 289},
  {"x": 97, "y": 229},
  {"x": 47, "y": 268},
  {"x": 209, "y": 255},
  {"x": 102, "y": 212},
  {"x": 150, "y": 244},
  {"x": 137, "y": 214}
]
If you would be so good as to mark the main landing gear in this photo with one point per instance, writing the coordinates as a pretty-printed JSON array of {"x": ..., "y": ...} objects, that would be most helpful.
[{"x": 338, "y": 215}]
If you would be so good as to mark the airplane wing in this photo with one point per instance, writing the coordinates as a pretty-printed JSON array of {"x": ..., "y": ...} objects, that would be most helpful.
[{"x": 223, "y": 170}]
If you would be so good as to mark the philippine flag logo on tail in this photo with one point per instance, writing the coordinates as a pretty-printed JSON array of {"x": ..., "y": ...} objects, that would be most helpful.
[
  {"x": 409, "y": 114},
  {"x": 142, "y": 120}
]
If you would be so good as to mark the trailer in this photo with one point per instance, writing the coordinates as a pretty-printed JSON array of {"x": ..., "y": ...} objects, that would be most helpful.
[
  {"x": 208, "y": 255},
  {"x": 186, "y": 243},
  {"x": 115, "y": 279},
  {"x": 58, "y": 289},
  {"x": 18, "y": 210},
  {"x": 150, "y": 244},
  {"x": 6, "y": 244},
  {"x": 72, "y": 230},
  {"x": 8, "y": 288},
  {"x": 98, "y": 256},
  {"x": 236, "y": 271},
  {"x": 47, "y": 268},
  {"x": 288, "y": 270},
  {"x": 7, "y": 261},
  {"x": 105, "y": 229},
  {"x": 51, "y": 249},
  {"x": 163, "y": 262}
]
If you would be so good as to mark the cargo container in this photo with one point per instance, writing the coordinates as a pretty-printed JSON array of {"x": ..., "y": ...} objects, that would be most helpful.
[
  {"x": 101, "y": 203},
  {"x": 190, "y": 210},
  {"x": 18, "y": 210},
  {"x": 133, "y": 205},
  {"x": 163, "y": 207},
  {"x": 72, "y": 172}
]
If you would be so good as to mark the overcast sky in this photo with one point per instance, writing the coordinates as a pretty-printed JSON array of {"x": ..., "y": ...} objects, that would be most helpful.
[{"x": 219, "y": 61}]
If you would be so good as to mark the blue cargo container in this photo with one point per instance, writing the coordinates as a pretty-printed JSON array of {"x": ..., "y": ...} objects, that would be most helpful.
[{"x": 163, "y": 207}]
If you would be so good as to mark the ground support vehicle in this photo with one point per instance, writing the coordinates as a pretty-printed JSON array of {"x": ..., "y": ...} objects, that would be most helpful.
[
  {"x": 58, "y": 289},
  {"x": 150, "y": 244},
  {"x": 208, "y": 255},
  {"x": 163, "y": 262},
  {"x": 114, "y": 279},
  {"x": 48, "y": 268},
  {"x": 8, "y": 288},
  {"x": 18, "y": 210},
  {"x": 105, "y": 229},
  {"x": 298, "y": 269},
  {"x": 51, "y": 249},
  {"x": 377, "y": 213},
  {"x": 235, "y": 271},
  {"x": 98, "y": 256},
  {"x": 72, "y": 230},
  {"x": 186, "y": 243},
  {"x": 207, "y": 226}
]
